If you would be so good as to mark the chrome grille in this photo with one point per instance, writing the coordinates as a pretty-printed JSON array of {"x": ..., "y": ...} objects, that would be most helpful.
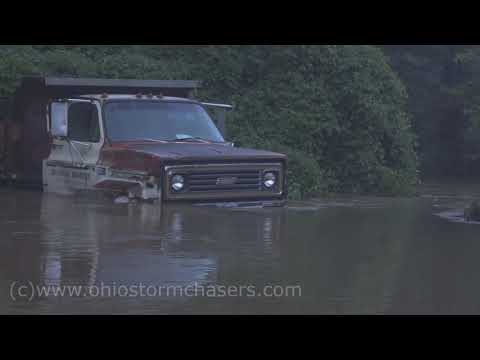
[{"x": 223, "y": 181}]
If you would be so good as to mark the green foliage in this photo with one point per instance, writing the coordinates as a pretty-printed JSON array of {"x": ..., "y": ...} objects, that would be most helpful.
[
  {"x": 341, "y": 106},
  {"x": 16, "y": 61},
  {"x": 304, "y": 175},
  {"x": 444, "y": 100},
  {"x": 466, "y": 92},
  {"x": 337, "y": 111}
]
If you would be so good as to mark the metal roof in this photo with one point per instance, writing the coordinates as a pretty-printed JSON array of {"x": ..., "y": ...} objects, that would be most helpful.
[
  {"x": 109, "y": 97},
  {"x": 131, "y": 83},
  {"x": 55, "y": 86}
]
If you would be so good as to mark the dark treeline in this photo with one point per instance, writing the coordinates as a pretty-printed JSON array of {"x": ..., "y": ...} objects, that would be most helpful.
[
  {"x": 443, "y": 99},
  {"x": 351, "y": 117}
]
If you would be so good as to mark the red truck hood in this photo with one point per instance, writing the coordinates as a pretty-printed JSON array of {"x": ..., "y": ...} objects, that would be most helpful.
[{"x": 187, "y": 151}]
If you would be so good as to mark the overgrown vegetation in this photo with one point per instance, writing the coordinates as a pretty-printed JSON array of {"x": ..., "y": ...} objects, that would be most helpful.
[
  {"x": 443, "y": 84},
  {"x": 339, "y": 112}
]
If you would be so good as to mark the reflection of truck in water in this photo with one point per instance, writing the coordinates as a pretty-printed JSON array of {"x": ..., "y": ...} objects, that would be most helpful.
[
  {"x": 93, "y": 242},
  {"x": 144, "y": 139}
]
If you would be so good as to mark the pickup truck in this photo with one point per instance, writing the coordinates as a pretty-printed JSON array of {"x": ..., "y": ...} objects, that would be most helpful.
[{"x": 141, "y": 139}]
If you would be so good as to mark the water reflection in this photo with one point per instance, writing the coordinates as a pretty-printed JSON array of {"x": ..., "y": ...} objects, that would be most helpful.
[
  {"x": 88, "y": 243},
  {"x": 78, "y": 241},
  {"x": 349, "y": 254}
]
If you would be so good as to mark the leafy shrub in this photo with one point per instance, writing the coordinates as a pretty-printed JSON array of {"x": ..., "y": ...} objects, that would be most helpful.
[{"x": 304, "y": 176}]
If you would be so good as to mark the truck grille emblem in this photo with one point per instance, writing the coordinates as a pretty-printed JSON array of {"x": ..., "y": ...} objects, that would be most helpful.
[{"x": 226, "y": 180}]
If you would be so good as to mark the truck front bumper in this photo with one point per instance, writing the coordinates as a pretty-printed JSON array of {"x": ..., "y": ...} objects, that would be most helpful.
[{"x": 243, "y": 204}]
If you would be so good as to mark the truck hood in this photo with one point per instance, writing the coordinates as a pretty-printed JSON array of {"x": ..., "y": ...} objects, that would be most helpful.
[{"x": 190, "y": 151}]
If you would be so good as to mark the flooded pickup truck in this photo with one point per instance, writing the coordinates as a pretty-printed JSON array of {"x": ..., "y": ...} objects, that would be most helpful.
[{"x": 141, "y": 139}]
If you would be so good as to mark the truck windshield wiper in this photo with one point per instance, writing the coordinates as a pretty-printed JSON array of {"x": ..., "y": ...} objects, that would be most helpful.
[
  {"x": 147, "y": 139},
  {"x": 193, "y": 138}
]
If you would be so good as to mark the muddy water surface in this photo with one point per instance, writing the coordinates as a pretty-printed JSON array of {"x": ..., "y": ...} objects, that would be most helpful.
[{"x": 345, "y": 255}]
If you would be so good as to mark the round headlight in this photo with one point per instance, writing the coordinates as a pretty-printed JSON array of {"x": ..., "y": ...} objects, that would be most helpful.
[
  {"x": 269, "y": 180},
  {"x": 178, "y": 182}
]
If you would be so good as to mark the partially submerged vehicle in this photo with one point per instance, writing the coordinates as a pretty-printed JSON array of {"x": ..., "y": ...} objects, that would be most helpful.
[{"x": 145, "y": 139}]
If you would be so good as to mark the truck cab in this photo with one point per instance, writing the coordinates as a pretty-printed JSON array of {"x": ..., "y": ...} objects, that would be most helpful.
[{"x": 142, "y": 139}]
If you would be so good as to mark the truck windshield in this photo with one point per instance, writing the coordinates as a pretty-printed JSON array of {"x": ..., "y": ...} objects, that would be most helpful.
[{"x": 168, "y": 121}]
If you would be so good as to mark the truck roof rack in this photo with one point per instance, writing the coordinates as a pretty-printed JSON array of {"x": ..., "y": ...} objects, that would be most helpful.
[{"x": 55, "y": 86}]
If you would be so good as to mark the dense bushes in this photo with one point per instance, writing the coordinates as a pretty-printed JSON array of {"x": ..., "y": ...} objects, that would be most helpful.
[
  {"x": 342, "y": 106},
  {"x": 444, "y": 88},
  {"x": 337, "y": 111}
]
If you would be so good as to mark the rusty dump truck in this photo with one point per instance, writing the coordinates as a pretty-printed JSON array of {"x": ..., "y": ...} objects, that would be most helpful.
[{"x": 136, "y": 139}]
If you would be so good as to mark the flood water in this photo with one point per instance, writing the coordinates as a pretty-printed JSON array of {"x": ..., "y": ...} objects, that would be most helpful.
[{"x": 343, "y": 255}]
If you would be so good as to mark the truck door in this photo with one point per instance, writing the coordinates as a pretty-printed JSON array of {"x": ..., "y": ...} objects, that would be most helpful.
[{"x": 78, "y": 137}]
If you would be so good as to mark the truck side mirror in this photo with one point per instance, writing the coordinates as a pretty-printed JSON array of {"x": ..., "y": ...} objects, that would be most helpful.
[{"x": 58, "y": 119}]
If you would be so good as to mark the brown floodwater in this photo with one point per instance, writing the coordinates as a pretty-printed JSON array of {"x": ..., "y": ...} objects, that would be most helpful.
[{"x": 342, "y": 255}]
